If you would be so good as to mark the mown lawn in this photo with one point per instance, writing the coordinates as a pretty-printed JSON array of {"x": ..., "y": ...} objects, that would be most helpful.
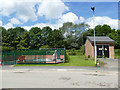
[{"x": 75, "y": 60}]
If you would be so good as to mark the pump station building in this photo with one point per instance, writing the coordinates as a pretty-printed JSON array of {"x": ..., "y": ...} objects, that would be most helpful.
[{"x": 104, "y": 47}]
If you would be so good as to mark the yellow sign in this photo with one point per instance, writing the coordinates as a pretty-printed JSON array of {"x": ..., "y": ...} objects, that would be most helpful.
[{"x": 105, "y": 49}]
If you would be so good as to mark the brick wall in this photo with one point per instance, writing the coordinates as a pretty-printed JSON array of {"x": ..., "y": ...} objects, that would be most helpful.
[
  {"x": 111, "y": 51},
  {"x": 89, "y": 49}
]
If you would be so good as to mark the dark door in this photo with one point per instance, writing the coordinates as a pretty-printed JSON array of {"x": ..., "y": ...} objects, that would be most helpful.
[
  {"x": 99, "y": 51},
  {"x": 106, "y": 50}
]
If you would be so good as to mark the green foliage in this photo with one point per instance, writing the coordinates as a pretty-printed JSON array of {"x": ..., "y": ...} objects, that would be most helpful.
[
  {"x": 44, "y": 46},
  {"x": 35, "y": 38},
  {"x": 82, "y": 49},
  {"x": 102, "y": 30},
  {"x": 6, "y": 48},
  {"x": 55, "y": 39},
  {"x": 71, "y": 33},
  {"x": 68, "y": 36},
  {"x": 67, "y": 58},
  {"x": 72, "y": 51},
  {"x": 117, "y": 53}
]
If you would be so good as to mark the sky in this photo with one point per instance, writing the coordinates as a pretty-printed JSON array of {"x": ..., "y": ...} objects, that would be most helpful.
[{"x": 54, "y": 13}]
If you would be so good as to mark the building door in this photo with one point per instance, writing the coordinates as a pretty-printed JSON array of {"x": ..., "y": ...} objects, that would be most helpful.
[
  {"x": 99, "y": 51},
  {"x": 102, "y": 51}
]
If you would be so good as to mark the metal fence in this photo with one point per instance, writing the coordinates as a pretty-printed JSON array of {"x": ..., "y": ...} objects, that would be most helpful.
[{"x": 43, "y": 55}]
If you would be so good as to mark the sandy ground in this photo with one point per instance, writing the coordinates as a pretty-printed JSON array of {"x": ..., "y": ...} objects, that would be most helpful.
[{"x": 59, "y": 79}]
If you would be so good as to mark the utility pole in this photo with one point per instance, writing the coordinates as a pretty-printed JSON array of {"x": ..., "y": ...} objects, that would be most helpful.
[{"x": 93, "y": 8}]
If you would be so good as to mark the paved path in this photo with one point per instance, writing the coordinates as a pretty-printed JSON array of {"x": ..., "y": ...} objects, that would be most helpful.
[{"x": 110, "y": 64}]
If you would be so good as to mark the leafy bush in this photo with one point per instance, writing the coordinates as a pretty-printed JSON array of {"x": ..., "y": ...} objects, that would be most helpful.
[
  {"x": 78, "y": 52},
  {"x": 117, "y": 53},
  {"x": 5, "y": 48},
  {"x": 67, "y": 58},
  {"x": 44, "y": 46},
  {"x": 72, "y": 51},
  {"x": 82, "y": 49}
]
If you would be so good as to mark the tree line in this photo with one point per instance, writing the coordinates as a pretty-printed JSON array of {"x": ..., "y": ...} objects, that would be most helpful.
[{"x": 68, "y": 36}]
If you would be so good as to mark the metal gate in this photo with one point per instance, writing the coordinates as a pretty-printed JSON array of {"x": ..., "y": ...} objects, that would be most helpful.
[
  {"x": 8, "y": 58},
  {"x": 34, "y": 56}
]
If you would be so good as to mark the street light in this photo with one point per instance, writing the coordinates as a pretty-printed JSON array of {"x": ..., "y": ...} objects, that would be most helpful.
[{"x": 93, "y": 8}]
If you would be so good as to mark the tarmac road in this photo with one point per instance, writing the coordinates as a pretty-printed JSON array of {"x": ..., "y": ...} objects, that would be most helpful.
[
  {"x": 60, "y": 76},
  {"x": 59, "y": 79}
]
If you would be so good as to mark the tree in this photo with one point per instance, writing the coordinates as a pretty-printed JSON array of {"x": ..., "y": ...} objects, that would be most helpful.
[
  {"x": 4, "y": 39},
  {"x": 102, "y": 30},
  {"x": 55, "y": 39},
  {"x": 72, "y": 33},
  {"x": 118, "y": 39},
  {"x": 82, "y": 38},
  {"x": 45, "y": 33},
  {"x": 35, "y": 38},
  {"x": 24, "y": 42}
]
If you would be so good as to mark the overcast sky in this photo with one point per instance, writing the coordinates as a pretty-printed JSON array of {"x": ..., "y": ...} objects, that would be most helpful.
[{"x": 54, "y": 13}]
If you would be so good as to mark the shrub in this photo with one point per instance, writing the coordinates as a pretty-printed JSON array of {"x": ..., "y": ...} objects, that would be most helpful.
[
  {"x": 44, "y": 46},
  {"x": 67, "y": 58},
  {"x": 78, "y": 52},
  {"x": 72, "y": 51},
  {"x": 82, "y": 49}
]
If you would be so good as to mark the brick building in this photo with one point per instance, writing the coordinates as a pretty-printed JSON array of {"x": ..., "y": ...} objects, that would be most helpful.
[{"x": 104, "y": 47}]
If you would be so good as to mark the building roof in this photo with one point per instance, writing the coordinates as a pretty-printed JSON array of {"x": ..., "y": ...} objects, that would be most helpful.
[{"x": 100, "y": 39}]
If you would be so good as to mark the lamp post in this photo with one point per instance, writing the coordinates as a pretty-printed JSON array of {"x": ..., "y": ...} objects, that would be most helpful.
[{"x": 93, "y": 8}]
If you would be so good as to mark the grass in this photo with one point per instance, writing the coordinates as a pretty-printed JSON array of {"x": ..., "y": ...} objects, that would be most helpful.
[
  {"x": 75, "y": 60},
  {"x": 117, "y": 53}
]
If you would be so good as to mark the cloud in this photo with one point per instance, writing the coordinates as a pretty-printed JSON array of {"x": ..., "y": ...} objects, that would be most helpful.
[
  {"x": 7, "y": 26},
  {"x": 23, "y": 10},
  {"x": 51, "y": 9},
  {"x": 81, "y": 19},
  {"x": 69, "y": 17},
  {"x": 0, "y": 23},
  {"x": 15, "y": 21},
  {"x": 40, "y": 25},
  {"x": 102, "y": 20}
]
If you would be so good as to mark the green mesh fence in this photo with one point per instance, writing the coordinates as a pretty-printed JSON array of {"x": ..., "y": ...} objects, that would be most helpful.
[{"x": 47, "y": 55}]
